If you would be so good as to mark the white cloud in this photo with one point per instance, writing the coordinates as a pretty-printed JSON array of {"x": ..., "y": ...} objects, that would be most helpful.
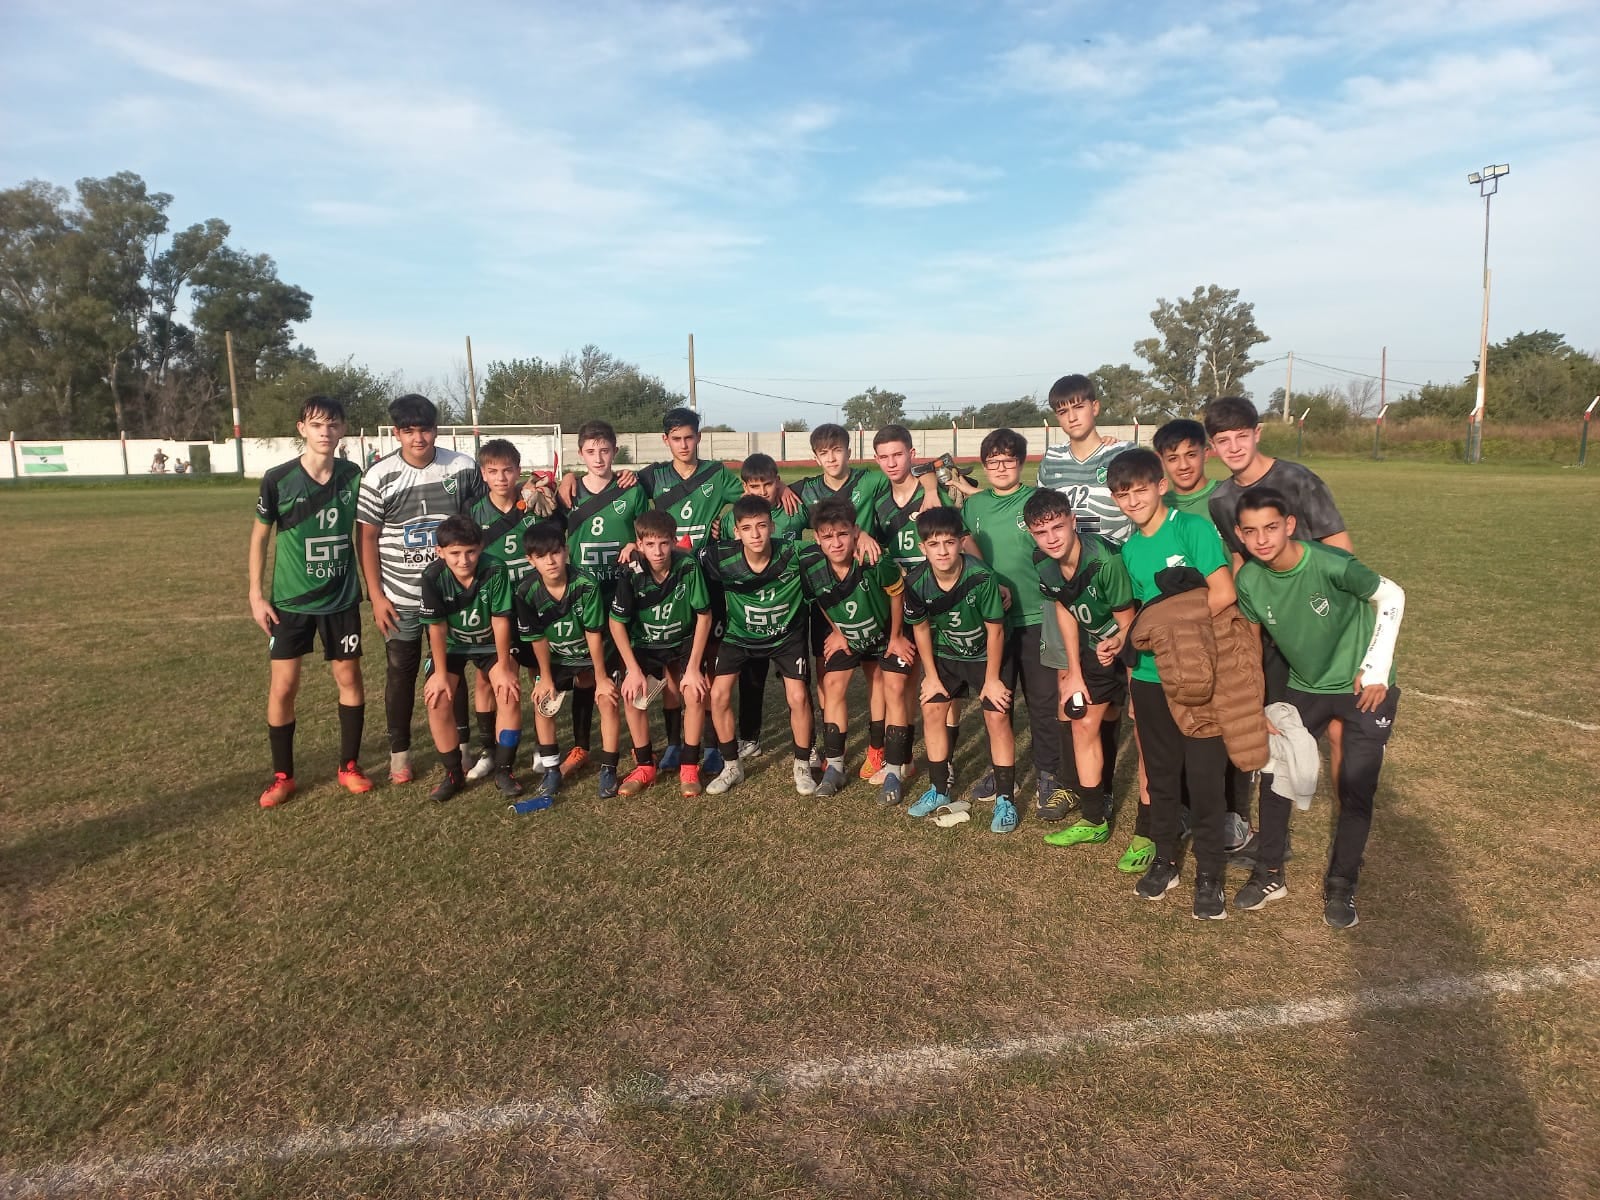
[{"x": 932, "y": 183}]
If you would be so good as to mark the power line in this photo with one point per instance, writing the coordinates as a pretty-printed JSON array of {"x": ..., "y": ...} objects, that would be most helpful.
[
  {"x": 767, "y": 395},
  {"x": 1359, "y": 374}
]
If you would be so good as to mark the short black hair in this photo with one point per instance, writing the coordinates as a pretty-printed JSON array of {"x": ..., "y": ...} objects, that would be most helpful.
[
  {"x": 545, "y": 537},
  {"x": 835, "y": 510},
  {"x": 940, "y": 520},
  {"x": 653, "y": 522},
  {"x": 459, "y": 530},
  {"x": 596, "y": 431},
  {"x": 828, "y": 435},
  {"x": 759, "y": 468},
  {"x": 1044, "y": 505},
  {"x": 322, "y": 406},
  {"x": 1136, "y": 465},
  {"x": 1071, "y": 387},
  {"x": 412, "y": 411},
  {"x": 677, "y": 418},
  {"x": 500, "y": 450},
  {"x": 1175, "y": 433},
  {"x": 1262, "y": 497},
  {"x": 746, "y": 507},
  {"x": 1228, "y": 413},
  {"x": 893, "y": 433},
  {"x": 1003, "y": 441}
]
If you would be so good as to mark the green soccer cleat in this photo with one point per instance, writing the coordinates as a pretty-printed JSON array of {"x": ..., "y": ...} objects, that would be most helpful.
[
  {"x": 1079, "y": 833},
  {"x": 1141, "y": 852}
]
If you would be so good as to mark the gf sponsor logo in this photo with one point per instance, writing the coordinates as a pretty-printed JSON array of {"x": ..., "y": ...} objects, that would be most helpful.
[{"x": 327, "y": 549}]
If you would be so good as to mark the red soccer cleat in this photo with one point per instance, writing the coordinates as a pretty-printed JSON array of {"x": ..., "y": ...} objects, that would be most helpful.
[
  {"x": 637, "y": 780},
  {"x": 577, "y": 758},
  {"x": 353, "y": 779},
  {"x": 689, "y": 779},
  {"x": 279, "y": 790}
]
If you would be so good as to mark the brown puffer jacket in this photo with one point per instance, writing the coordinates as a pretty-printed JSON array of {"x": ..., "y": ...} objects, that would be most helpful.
[{"x": 1210, "y": 670}]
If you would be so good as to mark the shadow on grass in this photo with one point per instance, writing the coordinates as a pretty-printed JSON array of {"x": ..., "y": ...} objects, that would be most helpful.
[
  {"x": 1438, "y": 1105},
  {"x": 41, "y": 859}
]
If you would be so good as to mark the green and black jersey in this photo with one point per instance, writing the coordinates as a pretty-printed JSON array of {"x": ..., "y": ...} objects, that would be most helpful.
[
  {"x": 862, "y": 487},
  {"x": 660, "y": 614},
  {"x": 858, "y": 604},
  {"x": 502, "y": 536},
  {"x": 1099, "y": 588},
  {"x": 762, "y": 605},
  {"x": 791, "y": 526},
  {"x": 895, "y": 525},
  {"x": 467, "y": 609},
  {"x": 314, "y": 558},
  {"x": 599, "y": 524},
  {"x": 693, "y": 502},
  {"x": 958, "y": 616},
  {"x": 564, "y": 623}
]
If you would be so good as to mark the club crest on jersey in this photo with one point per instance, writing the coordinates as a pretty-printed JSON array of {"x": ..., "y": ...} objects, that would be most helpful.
[
  {"x": 1100, "y": 475},
  {"x": 449, "y": 487},
  {"x": 619, "y": 507},
  {"x": 705, "y": 489},
  {"x": 1319, "y": 604}
]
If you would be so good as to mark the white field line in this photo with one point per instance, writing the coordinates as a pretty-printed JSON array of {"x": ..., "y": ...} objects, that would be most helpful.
[
  {"x": 1463, "y": 702},
  {"x": 890, "y": 1068}
]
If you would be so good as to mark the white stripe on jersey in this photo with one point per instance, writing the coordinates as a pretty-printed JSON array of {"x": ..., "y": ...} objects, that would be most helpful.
[
  {"x": 407, "y": 503},
  {"x": 1085, "y": 486}
]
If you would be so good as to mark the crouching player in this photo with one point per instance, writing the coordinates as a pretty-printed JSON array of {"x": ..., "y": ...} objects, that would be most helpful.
[
  {"x": 1336, "y": 622},
  {"x": 953, "y": 606},
  {"x": 864, "y": 607},
  {"x": 560, "y": 612},
  {"x": 760, "y": 577},
  {"x": 1088, "y": 608},
  {"x": 466, "y": 613},
  {"x": 660, "y": 623}
]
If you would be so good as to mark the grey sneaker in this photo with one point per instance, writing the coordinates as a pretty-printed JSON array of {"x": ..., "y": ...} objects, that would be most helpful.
[
  {"x": 749, "y": 749},
  {"x": 1339, "y": 904},
  {"x": 804, "y": 782},
  {"x": 833, "y": 780},
  {"x": 1235, "y": 833},
  {"x": 1262, "y": 889},
  {"x": 985, "y": 789},
  {"x": 731, "y": 776}
]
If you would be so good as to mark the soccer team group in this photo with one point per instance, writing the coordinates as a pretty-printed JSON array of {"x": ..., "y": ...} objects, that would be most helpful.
[{"x": 1228, "y": 618}]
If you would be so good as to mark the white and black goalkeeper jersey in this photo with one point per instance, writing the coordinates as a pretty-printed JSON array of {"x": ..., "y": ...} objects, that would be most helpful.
[
  {"x": 1084, "y": 485},
  {"x": 407, "y": 503}
]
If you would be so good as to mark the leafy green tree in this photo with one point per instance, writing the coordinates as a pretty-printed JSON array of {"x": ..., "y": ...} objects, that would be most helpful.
[
  {"x": 1006, "y": 414},
  {"x": 873, "y": 409},
  {"x": 1122, "y": 389},
  {"x": 275, "y": 403},
  {"x": 1203, "y": 347},
  {"x": 796, "y": 425}
]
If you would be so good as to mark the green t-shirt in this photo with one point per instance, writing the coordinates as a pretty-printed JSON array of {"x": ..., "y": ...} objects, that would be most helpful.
[
  {"x": 1107, "y": 589},
  {"x": 599, "y": 524},
  {"x": 957, "y": 617},
  {"x": 996, "y": 524},
  {"x": 1318, "y": 613},
  {"x": 564, "y": 623},
  {"x": 859, "y": 603},
  {"x": 467, "y": 610},
  {"x": 1181, "y": 540},
  {"x": 660, "y": 615},
  {"x": 862, "y": 487},
  {"x": 502, "y": 536},
  {"x": 693, "y": 502},
  {"x": 895, "y": 526},
  {"x": 762, "y": 605},
  {"x": 1196, "y": 503},
  {"x": 314, "y": 559}
]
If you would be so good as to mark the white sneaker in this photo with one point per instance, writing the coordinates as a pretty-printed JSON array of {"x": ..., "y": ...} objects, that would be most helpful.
[
  {"x": 749, "y": 749},
  {"x": 732, "y": 776},
  {"x": 804, "y": 782},
  {"x": 481, "y": 769},
  {"x": 400, "y": 767}
]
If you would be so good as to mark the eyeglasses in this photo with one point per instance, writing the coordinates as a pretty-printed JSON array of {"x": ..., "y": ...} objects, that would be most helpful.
[
  {"x": 1001, "y": 464},
  {"x": 1070, "y": 405}
]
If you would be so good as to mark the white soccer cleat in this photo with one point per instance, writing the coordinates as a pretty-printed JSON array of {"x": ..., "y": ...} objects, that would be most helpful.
[
  {"x": 481, "y": 769},
  {"x": 804, "y": 781},
  {"x": 732, "y": 776}
]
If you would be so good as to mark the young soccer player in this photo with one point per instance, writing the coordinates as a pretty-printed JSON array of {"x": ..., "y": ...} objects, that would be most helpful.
[
  {"x": 864, "y": 608},
  {"x": 1182, "y": 447},
  {"x": 760, "y": 578},
  {"x": 999, "y": 535},
  {"x": 861, "y": 486},
  {"x": 1089, "y": 605},
  {"x": 560, "y": 612},
  {"x": 505, "y": 518},
  {"x": 1162, "y": 539},
  {"x": 403, "y": 498},
  {"x": 466, "y": 612},
  {"x": 953, "y": 607},
  {"x": 1336, "y": 622},
  {"x": 1078, "y": 466},
  {"x": 661, "y": 624},
  {"x": 309, "y": 503}
]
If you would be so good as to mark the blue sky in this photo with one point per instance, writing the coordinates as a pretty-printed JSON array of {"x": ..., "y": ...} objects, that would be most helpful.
[{"x": 957, "y": 201}]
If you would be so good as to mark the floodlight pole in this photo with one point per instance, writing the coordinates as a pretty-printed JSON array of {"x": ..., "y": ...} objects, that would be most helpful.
[
  {"x": 1488, "y": 181},
  {"x": 1583, "y": 440}
]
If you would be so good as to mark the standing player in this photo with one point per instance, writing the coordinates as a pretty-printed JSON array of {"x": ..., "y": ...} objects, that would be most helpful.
[
  {"x": 1182, "y": 447},
  {"x": 403, "y": 498},
  {"x": 311, "y": 504},
  {"x": 861, "y": 486},
  {"x": 1078, "y": 466}
]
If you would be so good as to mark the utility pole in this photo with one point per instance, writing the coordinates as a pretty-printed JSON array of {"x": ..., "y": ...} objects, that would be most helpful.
[
  {"x": 692, "y": 405},
  {"x": 233, "y": 394},
  {"x": 472, "y": 395},
  {"x": 1288, "y": 386},
  {"x": 1488, "y": 181}
]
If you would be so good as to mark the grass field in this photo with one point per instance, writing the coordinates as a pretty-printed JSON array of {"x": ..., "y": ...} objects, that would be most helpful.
[{"x": 757, "y": 995}]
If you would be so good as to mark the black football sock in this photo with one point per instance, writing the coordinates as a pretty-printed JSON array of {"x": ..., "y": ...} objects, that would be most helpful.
[
  {"x": 729, "y": 752},
  {"x": 939, "y": 775},
  {"x": 689, "y": 756},
  {"x": 352, "y": 721},
  {"x": 452, "y": 762},
  {"x": 463, "y": 729},
  {"x": 1108, "y": 750},
  {"x": 1094, "y": 804},
  {"x": 608, "y": 758},
  {"x": 282, "y": 739},
  {"x": 876, "y": 734},
  {"x": 674, "y": 719},
  {"x": 954, "y": 733},
  {"x": 803, "y": 753},
  {"x": 645, "y": 755},
  {"x": 582, "y": 717},
  {"x": 549, "y": 756},
  {"x": 1005, "y": 780},
  {"x": 1141, "y": 823},
  {"x": 897, "y": 746},
  {"x": 505, "y": 747},
  {"x": 486, "y": 737},
  {"x": 833, "y": 745}
]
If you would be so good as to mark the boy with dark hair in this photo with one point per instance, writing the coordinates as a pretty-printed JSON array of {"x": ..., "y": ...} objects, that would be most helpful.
[
  {"x": 466, "y": 610},
  {"x": 760, "y": 578},
  {"x": 1182, "y": 446},
  {"x": 660, "y": 624},
  {"x": 560, "y": 612},
  {"x": 310, "y": 505},
  {"x": 1088, "y": 606},
  {"x": 1078, "y": 465},
  {"x": 1000, "y": 537},
  {"x": 759, "y": 474},
  {"x": 864, "y": 608},
  {"x": 953, "y": 606},
  {"x": 1164, "y": 539},
  {"x": 1336, "y": 622},
  {"x": 861, "y": 486},
  {"x": 403, "y": 498}
]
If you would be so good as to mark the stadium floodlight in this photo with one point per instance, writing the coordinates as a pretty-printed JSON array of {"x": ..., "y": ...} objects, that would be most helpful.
[
  {"x": 1488, "y": 181},
  {"x": 1474, "y": 178}
]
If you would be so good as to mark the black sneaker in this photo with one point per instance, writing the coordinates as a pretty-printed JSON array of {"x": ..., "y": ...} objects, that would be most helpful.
[
  {"x": 447, "y": 787},
  {"x": 1339, "y": 904},
  {"x": 1060, "y": 802},
  {"x": 1263, "y": 888},
  {"x": 1160, "y": 879},
  {"x": 1208, "y": 902},
  {"x": 507, "y": 782}
]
